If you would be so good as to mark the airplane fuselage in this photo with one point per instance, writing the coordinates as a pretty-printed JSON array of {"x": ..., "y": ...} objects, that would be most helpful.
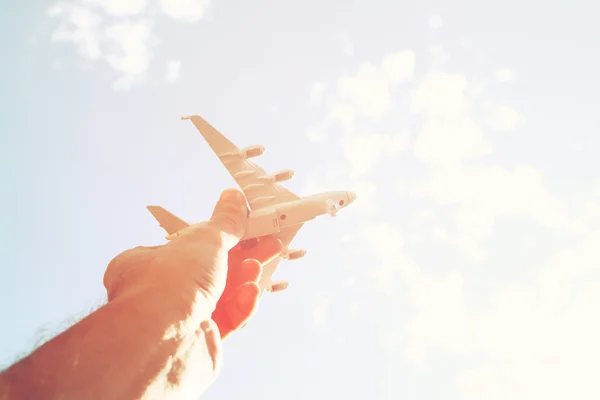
[{"x": 271, "y": 220}]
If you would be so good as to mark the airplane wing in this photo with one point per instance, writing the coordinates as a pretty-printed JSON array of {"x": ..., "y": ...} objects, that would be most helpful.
[
  {"x": 167, "y": 221},
  {"x": 286, "y": 235},
  {"x": 251, "y": 178}
]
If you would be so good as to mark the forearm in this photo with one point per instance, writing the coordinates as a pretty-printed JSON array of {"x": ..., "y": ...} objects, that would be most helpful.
[{"x": 139, "y": 346}]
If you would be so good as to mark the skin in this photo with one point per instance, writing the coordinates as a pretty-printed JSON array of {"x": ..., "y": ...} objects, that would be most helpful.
[{"x": 160, "y": 334}]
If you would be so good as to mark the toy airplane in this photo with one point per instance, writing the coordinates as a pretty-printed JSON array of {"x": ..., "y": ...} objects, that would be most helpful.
[{"x": 274, "y": 210}]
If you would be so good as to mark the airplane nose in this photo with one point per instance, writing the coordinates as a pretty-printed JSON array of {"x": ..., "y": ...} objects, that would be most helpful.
[{"x": 351, "y": 197}]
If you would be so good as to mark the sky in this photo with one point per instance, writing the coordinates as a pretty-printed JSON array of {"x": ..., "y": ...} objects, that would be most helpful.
[{"x": 468, "y": 267}]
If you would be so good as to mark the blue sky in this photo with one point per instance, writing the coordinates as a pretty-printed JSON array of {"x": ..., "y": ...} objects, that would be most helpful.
[{"x": 468, "y": 268}]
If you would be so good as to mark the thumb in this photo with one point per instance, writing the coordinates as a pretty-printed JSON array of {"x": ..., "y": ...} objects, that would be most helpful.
[
  {"x": 230, "y": 216},
  {"x": 206, "y": 248},
  {"x": 226, "y": 226}
]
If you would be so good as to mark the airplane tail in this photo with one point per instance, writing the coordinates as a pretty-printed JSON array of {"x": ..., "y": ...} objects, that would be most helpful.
[{"x": 169, "y": 222}]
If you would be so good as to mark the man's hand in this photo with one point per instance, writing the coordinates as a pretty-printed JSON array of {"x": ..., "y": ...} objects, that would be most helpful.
[
  {"x": 159, "y": 335},
  {"x": 205, "y": 262}
]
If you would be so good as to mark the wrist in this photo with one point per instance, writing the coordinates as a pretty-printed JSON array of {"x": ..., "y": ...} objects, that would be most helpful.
[
  {"x": 177, "y": 292},
  {"x": 179, "y": 304}
]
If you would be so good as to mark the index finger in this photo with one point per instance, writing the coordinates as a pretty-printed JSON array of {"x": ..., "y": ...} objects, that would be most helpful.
[{"x": 265, "y": 251}]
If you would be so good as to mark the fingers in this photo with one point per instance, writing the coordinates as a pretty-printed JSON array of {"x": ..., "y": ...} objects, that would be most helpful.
[
  {"x": 238, "y": 309},
  {"x": 239, "y": 301},
  {"x": 213, "y": 343},
  {"x": 240, "y": 298},
  {"x": 247, "y": 271},
  {"x": 245, "y": 265},
  {"x": 265, "y": 251},
  {"x": 246, "y": 299},
  {"x": 238, "y": 274}
]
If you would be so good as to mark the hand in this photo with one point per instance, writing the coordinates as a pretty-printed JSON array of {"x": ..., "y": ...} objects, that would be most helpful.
[
  {"x": 158, "y": 324},
  {"x": 204, "y": 266}
]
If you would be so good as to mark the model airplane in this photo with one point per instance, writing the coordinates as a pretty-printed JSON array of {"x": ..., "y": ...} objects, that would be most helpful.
[{"x": 274, "y": 210}]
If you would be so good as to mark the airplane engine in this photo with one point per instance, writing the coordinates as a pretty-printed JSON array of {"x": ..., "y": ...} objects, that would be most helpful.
[
  {"x": 252, "y": 151},
  {"x": 294, "y": 254},
  {"x": 283, "y": 175},
  {"x": 278, "y": 287}
]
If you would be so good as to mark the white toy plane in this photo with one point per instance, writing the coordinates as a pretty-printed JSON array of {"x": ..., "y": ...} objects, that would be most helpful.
[{"x": 274, "y": 210}]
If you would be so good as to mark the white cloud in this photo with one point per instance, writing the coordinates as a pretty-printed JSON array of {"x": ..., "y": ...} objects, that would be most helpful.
[
  {"x": 347, "y": 238},
  {"x": 483, "y": 194},
  {"x": 364, "y": 94},
  {"x": 315, "y": 134},
  {"x": 345, "y": 114},
  {"x": 56, "y": 10},
  {"x": 366, "y": 151},
  {"x": 503, "y": 118},
  {"x": 80, "y": 26},
  {"x": 448, "y": 135},
  {"x": 504, "y": 75},
  {"x": 427, "y": 221},
  {"x": 173, "y": 69},
  {"x": 516, "y": 191},
  {"x": 392, "y": 342},
  {"x": 423, "y": 217},
  {"x": 435, "y": 21},
  {"x": 525, "y": 340},
  {"x": 131, "y": 40},
  {"x": 347, "y": 45},
  {"x": 124, "y": 45},
  {"x": 119, "y": 8},
  {"x": 130, "y": 53},
  {"x": 441, "y": 319},
  {"x": 447, "y": 141},
  {"x": 439, "y": 234},
  {"x": 123, "y": 42},
  {"x": 391, "y": 262},
  {"x": 368, "y": 91},
  {"x": 480, "y": 382},
  {"x": 440, "y": 95},
  {"x": 399, "y": 67},
  {"x": 189, "y": 11},
  {"x": 540, "y": 338},
  {"x": 596, "y": 189}
]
